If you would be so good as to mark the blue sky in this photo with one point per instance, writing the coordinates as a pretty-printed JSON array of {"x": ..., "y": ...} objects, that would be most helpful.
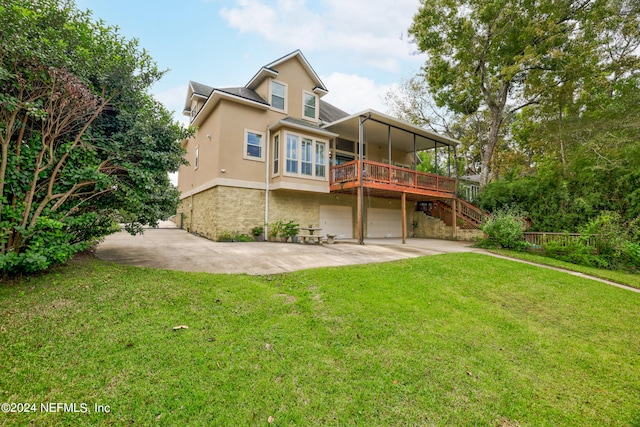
[{"x": 359, "y": 48}]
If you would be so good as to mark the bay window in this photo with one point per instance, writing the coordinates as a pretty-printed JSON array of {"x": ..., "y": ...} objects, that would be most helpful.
[{"x": 304, "y": 157}]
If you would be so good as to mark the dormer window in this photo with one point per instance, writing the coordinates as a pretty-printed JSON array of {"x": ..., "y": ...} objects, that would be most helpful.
[
  {"x": 310, "y": 102},
  {"x": 278, "y": 95}
]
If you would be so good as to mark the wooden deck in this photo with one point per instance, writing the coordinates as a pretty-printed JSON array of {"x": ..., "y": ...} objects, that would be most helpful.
[{"x": 390, "y": 179}]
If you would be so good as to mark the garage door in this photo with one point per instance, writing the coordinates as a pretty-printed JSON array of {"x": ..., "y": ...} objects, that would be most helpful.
[
  {"x": 384, "y": 222},
  {"x": 336, "y": 220}
]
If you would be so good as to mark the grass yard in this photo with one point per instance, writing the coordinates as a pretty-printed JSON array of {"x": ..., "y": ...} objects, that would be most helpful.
[
  {"x": 448, "y": 340},
  {"x": 622, "y": 277}
]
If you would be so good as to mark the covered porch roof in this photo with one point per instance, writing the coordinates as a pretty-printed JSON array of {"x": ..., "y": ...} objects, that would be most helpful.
[{"x": 379, "y": 128}]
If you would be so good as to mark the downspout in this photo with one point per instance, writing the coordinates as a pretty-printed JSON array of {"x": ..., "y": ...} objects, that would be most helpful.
[{"x": 266, "y": 190}]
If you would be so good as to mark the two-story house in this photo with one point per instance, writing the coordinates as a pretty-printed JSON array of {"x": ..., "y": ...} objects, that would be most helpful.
[{"x": 274, "y": 150}]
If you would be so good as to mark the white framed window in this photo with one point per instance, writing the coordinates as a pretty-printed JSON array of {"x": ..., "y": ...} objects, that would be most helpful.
[
  {"x": 253, "y": 145},
  {"x": 321, "y": 157},
  {"x": 305, "y": 157},
  {"x": 292, "y": 154},
  {"x": 309, "y": 106},
  {"x": 278, "y": 95},
  {"x": 276, "y": 154},
  {"x": 196, "y": 159}
]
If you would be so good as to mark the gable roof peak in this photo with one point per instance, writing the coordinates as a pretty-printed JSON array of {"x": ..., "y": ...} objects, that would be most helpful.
[{"x": 269, "y": 71}]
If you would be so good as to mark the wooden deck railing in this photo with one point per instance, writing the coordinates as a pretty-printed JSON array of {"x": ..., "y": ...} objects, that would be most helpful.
[
  {"x": 392, "y": 176},
  {"x": 564, "y": 239},
  {"x": 469, "y": 216}
]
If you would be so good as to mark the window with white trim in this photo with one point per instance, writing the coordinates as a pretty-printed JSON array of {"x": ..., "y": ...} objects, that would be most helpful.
[
  {"x": 320, "y": 159},
  {"x": 278, "y": 95},
  {"x": 276, "y": 154},
  {"x": 292, "y": 154},
  {"x": 196, "y": 160},
  {"x": 309, "y": 106},
  {"x": 306, "y": 158},
  {"x": 253, "y": 145}
]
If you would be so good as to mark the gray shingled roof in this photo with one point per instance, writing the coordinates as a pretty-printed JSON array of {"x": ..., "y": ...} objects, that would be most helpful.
[
  {"x": 330, "y": 113},
  {"x": 301, "y": 122},
  {"x": 201, "y": 89},
  {"x": 243, "y": 92}
]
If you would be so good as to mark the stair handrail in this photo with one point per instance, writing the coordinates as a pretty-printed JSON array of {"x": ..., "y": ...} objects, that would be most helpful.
[{"x": 467, "y": 211}]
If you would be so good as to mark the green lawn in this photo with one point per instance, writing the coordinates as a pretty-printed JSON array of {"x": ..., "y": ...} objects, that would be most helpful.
[
  {"x": 622, "y": 277},
  {"x": 448, "y": 340}
]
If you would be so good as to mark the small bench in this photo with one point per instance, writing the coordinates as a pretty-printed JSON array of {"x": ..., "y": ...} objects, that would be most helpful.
[{"x": 310, "y": 238}]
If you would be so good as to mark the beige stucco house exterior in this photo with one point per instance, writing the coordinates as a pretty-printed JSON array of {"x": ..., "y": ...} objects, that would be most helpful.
[{"x": 274, "y": 150}]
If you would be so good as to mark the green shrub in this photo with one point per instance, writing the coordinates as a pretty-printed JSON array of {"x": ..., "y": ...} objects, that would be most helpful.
[
  {"x": 54, "y": 242},
  {"x": 243, "y": 238},
  {"x": 575, "y": 252},
  {"x": 505, "y": 227},
  {"x": 633, "y": 253},
  {"x": 290, "y": 229},
  {"x": 615, "y": 241},
  {"x": 225, "y": 236}
]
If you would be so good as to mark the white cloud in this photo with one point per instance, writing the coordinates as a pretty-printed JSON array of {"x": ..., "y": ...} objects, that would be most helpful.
[
  {"x": 353, "y": 93},
  {"x": 371, "y": 32}
]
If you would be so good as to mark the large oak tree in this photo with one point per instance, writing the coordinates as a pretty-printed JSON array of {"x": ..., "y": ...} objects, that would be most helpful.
[{"x": 503, "y": 55}]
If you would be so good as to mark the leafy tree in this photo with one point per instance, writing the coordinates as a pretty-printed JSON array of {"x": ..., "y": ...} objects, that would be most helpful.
[
  {"x": 412, "y": 101},
  {"x": 500, "y": 56},
  {"x": 83, "y": 143}
]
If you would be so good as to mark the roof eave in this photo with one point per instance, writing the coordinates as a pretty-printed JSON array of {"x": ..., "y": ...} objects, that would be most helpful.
[
  {"x": 216, "y": 97},
  {"x": 400, "y": 124},
  {"x": 260, "y": 76},
  {"x": 320, "y": 131},
  {"x": 320, "y": 91}
]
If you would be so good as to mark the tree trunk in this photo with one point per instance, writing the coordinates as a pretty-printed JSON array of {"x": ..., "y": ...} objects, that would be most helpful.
[
  {"x": 487, "y": 152},
  {"x": 496, "y": 107}
]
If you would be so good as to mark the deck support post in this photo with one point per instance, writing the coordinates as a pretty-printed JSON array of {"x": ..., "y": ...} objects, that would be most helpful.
[
  {"x": 454, "y": 219},
  {"x": 360, "y": 219},
  {"x": 389, "y": 145},
  {"x": 360, "y": 178},
  {"x": 404, "y": 217}
]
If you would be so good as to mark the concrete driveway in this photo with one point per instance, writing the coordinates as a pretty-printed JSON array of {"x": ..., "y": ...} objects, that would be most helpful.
[{"x": 174, "y": 249}]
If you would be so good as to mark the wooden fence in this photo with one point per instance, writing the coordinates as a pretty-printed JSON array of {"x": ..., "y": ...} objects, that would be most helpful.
[{"x": 540, "y": 238}]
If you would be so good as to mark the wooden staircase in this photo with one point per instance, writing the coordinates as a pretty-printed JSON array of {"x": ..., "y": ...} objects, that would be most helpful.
[{"x": 468, "y": 216}]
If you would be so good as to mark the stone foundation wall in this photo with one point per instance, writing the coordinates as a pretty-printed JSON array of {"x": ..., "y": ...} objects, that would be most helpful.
[
  {"x": 292, "y": 205},
  {"x": 470, "y": 235},
  {"x": 428, "y": 227},
  {"x": 222, "y": 209},
  {"x": 238, "y": 210}
]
